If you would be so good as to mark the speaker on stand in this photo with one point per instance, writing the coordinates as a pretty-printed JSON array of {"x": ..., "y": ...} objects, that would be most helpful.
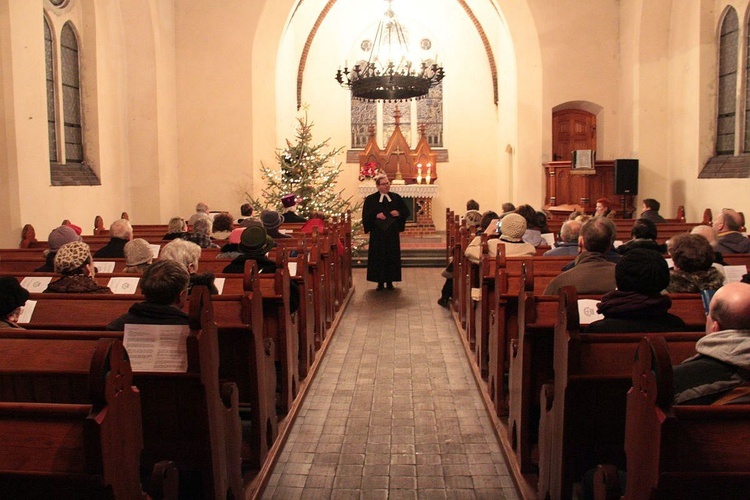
[{"x": 626, "y": 180}]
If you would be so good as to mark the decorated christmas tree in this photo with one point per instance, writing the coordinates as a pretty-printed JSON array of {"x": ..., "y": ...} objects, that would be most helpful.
[{"x": 308, "y": 171}]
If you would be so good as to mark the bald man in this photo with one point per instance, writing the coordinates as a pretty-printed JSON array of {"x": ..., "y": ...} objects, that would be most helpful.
[
  {"x": 727, "y": 225},
  {"x": 723, "y": 359}
]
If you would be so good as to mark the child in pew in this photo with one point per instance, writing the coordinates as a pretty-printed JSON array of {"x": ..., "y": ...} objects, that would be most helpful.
[
  {"x": 723, "y": 360},
  {"x": 165, "y": 287},
  {"x": 188, "y": 254},
  {"x": 12, "y": 299},
  {"x": 637, "y": 305},
  {"x": 76, "y": 265}
]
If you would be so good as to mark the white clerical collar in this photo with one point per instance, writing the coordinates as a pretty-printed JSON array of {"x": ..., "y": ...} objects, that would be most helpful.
[{"x": 385, "y": 195}]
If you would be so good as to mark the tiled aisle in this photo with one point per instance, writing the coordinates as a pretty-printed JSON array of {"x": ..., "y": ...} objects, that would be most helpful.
[{"x": 394, "y": 411}]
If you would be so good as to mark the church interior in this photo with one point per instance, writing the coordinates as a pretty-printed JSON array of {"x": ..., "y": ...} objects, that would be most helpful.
[
  {"x": 183, "y": 101},
  {"x": 147, "y": 107}
]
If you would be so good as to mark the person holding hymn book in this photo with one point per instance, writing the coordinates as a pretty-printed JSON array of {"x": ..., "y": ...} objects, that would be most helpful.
[
  {"x": 76, "y": 265},
  {"x": 165, "y": 286},
  {"x": 12, "y": 299},
  {"x": 637, "y": 305}
]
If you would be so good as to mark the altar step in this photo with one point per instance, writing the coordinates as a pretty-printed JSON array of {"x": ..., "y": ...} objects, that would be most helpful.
[{"x": 411, "y": 257}]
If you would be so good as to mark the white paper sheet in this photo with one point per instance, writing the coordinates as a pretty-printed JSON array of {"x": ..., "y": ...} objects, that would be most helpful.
[
  {"x": 734, "y": 274},
  {"x": 587, "y": 311},
  {"x": 549, "y": 238},
  {"x": 126, "y": 286},
  {"x": 617, "y": 243},
  {"x": 219, "y": 284},
  {"x": 157, "y": 348},
  {"x": 155, "y": 248},
  {"x": 27, "y": 312},
  {"x": 292, "y": 268},
  {"x": 36, "y": 284},
  {"x": 104, "y": 266}
]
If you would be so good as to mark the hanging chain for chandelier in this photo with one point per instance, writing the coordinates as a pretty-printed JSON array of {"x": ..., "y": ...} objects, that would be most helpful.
[{"x": 389, "y": 74}]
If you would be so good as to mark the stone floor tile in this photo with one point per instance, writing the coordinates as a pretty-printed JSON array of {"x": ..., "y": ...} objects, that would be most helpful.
[{"x": 394, "y": 412}]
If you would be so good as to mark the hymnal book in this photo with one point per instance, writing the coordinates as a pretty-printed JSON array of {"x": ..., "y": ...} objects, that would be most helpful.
[{"x": 157, "y": 348}]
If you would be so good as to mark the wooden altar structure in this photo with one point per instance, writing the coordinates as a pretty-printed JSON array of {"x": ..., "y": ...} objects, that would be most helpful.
[
  {"x": 578, "y": 189},
  {"x": 412, "y": 173}
]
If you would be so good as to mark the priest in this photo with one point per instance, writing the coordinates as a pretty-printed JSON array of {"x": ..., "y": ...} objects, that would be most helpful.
[{"x": 384, "y": 216}]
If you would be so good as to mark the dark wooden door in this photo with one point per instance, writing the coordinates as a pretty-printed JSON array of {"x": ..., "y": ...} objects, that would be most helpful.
[{"x": 572, "y": 129}]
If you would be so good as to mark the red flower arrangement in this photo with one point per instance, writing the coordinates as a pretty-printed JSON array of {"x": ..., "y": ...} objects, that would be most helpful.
[{"x": 368, "y": 170}]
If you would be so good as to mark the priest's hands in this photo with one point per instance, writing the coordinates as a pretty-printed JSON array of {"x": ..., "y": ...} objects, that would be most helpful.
[
  {"x": 395, "y": 213},
  {"x": 381, "y": 215}
]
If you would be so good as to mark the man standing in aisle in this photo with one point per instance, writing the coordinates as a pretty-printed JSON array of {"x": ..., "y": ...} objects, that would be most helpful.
[{"x": 384, "y": 216}]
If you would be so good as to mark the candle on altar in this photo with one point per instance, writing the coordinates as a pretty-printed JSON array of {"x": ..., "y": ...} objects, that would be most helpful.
[
  {"x": 429, "y": 173},
  {"x": 419, "y": 173}
]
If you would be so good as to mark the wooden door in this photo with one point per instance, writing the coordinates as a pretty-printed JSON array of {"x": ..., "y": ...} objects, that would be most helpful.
[{"x": 572, "y": 129}]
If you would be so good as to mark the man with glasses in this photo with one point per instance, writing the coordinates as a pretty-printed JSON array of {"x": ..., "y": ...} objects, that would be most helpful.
[{"x": 384, "y": 216}]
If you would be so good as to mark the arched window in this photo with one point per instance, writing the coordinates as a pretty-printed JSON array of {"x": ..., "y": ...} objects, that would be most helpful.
[
  {"x": 71, "y": 93},
  {"x": 728, "y": 48},
  {"x": 49, "y": 57}
]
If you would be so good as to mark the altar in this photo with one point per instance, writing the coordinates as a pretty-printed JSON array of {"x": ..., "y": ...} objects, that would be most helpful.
[{"x": 412, "y": 173}]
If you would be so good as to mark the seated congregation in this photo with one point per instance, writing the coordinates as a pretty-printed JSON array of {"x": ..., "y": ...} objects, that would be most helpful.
[
  {"x": 259, "y": 311},
  {"x": 552, "y": 335}
]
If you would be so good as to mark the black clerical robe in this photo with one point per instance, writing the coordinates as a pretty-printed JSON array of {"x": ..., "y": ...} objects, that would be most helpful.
[{"x": 384, "y": 250}]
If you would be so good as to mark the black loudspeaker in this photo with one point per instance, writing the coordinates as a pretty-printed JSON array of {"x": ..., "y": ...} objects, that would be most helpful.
[{"x": 626, "y": 176}]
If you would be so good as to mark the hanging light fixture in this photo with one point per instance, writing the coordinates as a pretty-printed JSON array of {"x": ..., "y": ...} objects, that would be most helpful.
[{"x": 389, "y": 74}]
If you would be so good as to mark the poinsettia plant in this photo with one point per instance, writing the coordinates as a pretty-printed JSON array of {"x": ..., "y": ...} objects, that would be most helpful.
[{"x": 368, "y": 171}]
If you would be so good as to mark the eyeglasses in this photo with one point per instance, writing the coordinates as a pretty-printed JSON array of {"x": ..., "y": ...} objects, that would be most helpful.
[{"x": 383, "y": 183}]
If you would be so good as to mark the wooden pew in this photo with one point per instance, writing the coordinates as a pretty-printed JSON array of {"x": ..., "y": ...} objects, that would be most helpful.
[
  {"x": 582, "y": 420},
  {"x": 193, "y": 417},
  {"x": 674, "y": 451},
  {"x": 84, "y": 444},
  {"x": 531, "y": 362}
]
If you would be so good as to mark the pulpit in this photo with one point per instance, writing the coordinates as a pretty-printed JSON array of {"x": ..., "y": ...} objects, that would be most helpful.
[
  {"x": 579, "y": 189},
  {"x": 412, "y": 173}
]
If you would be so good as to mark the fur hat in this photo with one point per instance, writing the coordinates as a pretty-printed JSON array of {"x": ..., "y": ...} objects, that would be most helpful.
[
  {"x": 71, "y": 256},
  {"x": 255, "y": 241},
  {"x": 288, "y": 200},
  {"x": 271, "y": 219},
  {"x": 642, "y": 270},
  {"x": 60, "y": 236},
  {"x": 137, "y": 251},
  {"x": 513, "y": 226},
  {"x": 12, "y": 295}
]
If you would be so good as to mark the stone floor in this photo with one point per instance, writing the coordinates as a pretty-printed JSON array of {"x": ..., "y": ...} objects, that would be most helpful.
[{"x": 394, "y": 411}]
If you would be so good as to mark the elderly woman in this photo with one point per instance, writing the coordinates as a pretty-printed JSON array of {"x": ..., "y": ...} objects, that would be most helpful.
[
  {"x": 138, "y": 256},
  {"x": 177, "y": 229},
  {"x": 76, "y": 265},
  {"x": 222, "y": 227},
  {"x": 532, "y": 235},
  {"x": 693, "y": 269},
  {"x": 188, "y": 254},
  {"x": 12, "y": 299}
]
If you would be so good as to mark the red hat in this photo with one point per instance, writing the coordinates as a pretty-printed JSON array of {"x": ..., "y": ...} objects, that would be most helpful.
[{"x": 288, "y": 200}]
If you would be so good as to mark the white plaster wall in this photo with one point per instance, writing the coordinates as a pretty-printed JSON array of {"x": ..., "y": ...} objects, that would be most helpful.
[{"x": 215, "y": 106}]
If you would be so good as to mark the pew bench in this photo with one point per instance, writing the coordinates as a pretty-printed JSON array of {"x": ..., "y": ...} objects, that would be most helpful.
[
  {"x": 582, "y": 421},
  {"x": 80, "y": 439},
  {"x": 675, "y": 451}
]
